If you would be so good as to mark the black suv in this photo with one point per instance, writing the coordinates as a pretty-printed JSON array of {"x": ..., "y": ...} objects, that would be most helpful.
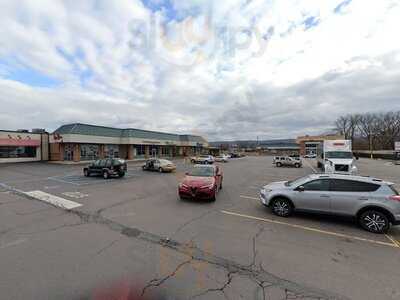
[{"x": 106, "y": 168}]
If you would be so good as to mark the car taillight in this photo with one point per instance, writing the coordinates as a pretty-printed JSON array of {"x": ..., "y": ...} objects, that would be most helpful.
[{"x": 395, "y": 198}]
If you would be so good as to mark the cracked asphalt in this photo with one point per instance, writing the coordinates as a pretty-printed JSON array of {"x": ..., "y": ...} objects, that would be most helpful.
[{"x": 134, "y": 236}]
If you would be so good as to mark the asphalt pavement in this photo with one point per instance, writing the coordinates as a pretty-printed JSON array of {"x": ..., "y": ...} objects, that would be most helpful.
[{"x": 134, "y": 235}]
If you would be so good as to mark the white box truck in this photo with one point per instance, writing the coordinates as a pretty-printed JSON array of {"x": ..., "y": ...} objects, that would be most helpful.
[{"x": 336, "y": 156}]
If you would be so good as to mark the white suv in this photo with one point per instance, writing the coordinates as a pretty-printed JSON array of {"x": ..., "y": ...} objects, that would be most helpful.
[{"x": 203, "y": 159}]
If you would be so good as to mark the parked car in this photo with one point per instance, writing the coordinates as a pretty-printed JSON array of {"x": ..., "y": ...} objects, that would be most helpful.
[
  {"x": 202, "y": 182},
  {"x": 202, "y": 159},
  {"x": 159, "y": 165},
  {"x": 374, "y": 203},
  {"x": 222, "y": 158},
  {"x": 310, "y": 155},
  {"x": 234, "y": 155},
  {"x": 106, "y": 168},
  {"x": 288, "y": 161}
]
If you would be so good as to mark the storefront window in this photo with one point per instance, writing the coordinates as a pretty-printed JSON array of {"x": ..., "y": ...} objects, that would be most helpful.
[
  {"x": 89, "y": 152},
  {"x": 166, "y": 151},
  {"x": 111, "y": 151},
  {"x": 16, "y": 152},
  {"x": 154, "y": 151},
  {"x": 139, "y": 150}
]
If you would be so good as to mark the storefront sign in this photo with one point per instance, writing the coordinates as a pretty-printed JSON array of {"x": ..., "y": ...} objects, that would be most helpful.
[
  {"x": 18, "y": 140},
  {"x": 57, "y": 138}
]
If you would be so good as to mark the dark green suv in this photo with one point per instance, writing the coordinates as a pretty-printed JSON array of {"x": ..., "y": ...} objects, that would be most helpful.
[{"x": 106, "y": 168}]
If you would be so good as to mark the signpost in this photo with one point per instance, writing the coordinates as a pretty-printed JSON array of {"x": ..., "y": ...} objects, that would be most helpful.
[
  {"x": 397, "y": 152},
  {"x": 397, "y": 146}
]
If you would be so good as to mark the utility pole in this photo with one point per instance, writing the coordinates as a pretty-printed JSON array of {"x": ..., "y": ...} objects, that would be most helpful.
[{"x": 370, "y": 147}]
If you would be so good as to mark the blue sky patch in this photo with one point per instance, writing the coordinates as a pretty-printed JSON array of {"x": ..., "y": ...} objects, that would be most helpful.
[
  {"x": 83, "y": 75},
  {"x": 311, "y": 22},
  {"x": 162, "y": 5},
  {"x": 338, "y": 9},
  {"x": 27, "y": 76},
  {"x": 167, "y": 7}
]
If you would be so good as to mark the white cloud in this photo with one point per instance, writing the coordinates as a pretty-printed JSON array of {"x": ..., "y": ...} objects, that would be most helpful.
[{"x": 254, "y": 68}]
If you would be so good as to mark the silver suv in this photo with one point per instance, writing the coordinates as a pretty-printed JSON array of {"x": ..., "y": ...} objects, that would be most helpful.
[{"x": 373, "y": 202}]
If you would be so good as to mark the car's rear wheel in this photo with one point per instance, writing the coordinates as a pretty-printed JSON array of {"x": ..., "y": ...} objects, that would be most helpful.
[
  {"x": 193, "y": 161},
  {"x": 282, "y": 207},
  {"x": 374, "y": 221},
  {"x": 160, "y": 170},
  {"x": 278, "y": 164},
  {"x": 220, "y": 186},
  {"x": 106, "y": 175},
  {"x": 86, "y": 172},
  {"x": 297, "y": 165},
  {"x": 121, "y": 174}
]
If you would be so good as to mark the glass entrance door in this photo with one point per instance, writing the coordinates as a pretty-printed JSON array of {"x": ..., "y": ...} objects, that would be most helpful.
[{"x": 68, "y": 152}]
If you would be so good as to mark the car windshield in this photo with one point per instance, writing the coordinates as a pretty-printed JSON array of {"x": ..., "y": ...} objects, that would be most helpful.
[
  {"x": 202, "y": 172},
  {"x": 339, "y": 154},
  {"x": 296, "y": 181},
  {"x": 118, "y": 161}
]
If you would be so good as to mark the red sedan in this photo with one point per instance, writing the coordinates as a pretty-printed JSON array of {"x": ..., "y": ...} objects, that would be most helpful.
[{"x": 202, "y": 182}]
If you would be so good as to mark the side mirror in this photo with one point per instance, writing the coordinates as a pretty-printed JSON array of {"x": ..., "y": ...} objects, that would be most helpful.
[{"x": 300, "y": 189}]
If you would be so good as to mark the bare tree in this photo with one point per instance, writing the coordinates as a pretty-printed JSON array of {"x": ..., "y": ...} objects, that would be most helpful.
[
  {"x": 342, "y": 126},
  {"x": 348, "y": 125},
  {"x": 379, "y": 130},
  {"x": 369, "y": 126},
  {"x": 389, "y": 128},
  {"x": 354, "y": 125}
]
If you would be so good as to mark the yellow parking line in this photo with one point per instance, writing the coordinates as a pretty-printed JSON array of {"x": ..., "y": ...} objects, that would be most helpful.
[
  {"x": 393, "y": 240},
  {"x": 248, "y": 197},
  {"x": 313, "y": 229}
]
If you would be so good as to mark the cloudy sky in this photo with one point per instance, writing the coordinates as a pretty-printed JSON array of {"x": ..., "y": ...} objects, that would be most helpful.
[{"x": 229, "y": 69}]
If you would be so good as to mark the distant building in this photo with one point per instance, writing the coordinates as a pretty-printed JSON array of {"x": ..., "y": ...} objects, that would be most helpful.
[
  {"x": 273, "y": 147},
  {"x": 309, "y": 144}
]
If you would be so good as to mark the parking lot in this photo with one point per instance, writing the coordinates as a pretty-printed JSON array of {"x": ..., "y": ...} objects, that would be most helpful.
[{"x": 135, "y": 232}]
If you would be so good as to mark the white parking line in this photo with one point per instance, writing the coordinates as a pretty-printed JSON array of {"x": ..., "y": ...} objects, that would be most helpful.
[
  {"x": 308, "y": 164},
  {"x": 53, "y": 200},
  {"x": 13, "y": 243},
  {"x": 63, "y": 181},
  {"x": 313, "y": 229},
  {"x": 248, "y": 197}
]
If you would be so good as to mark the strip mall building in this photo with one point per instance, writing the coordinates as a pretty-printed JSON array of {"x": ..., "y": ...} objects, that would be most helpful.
[
  {"x": 82, "y": 142},
  {"x": 23, "y": 146}
]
